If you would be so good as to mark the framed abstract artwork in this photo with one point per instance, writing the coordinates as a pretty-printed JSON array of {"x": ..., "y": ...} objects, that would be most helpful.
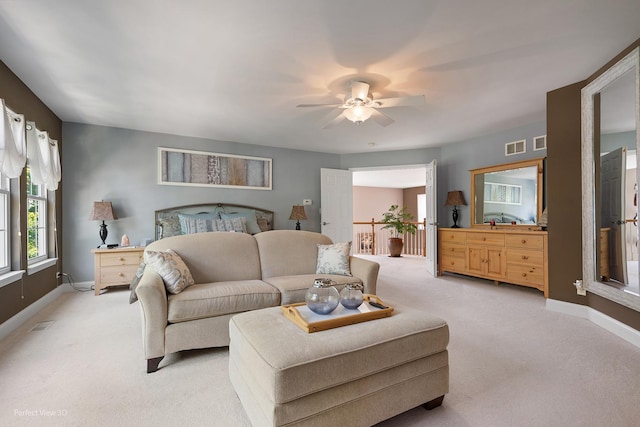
[{"x": 203, "y": 169}]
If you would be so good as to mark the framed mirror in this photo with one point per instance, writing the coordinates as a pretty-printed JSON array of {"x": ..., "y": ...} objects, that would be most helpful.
[
  {"x": 509, "y": 194},
  {"x": 610, "y": 141}
]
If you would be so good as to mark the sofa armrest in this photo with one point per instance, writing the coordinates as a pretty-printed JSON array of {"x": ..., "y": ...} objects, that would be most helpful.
[
  {"x": 153, "y": 301},
  {"x": 367, "y": 271}
]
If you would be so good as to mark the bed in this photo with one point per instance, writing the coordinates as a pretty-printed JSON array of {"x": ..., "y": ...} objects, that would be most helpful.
[
  {"x": 503, "y": 218},
  {"x": 168, "y": 220}
]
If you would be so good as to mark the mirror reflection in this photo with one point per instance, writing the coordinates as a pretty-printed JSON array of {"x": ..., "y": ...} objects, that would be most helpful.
[
  {"x": 507, "y": 194},
  {"x": 618, "y": 213}
]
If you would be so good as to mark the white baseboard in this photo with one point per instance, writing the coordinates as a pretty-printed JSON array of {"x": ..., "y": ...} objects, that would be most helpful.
[
  {"x": 22, "y": 317},
  {"x": 612, "y": 325}
]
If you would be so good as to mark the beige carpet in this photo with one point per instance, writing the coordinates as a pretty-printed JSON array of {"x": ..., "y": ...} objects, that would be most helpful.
[{"x": 512, "y": 364}]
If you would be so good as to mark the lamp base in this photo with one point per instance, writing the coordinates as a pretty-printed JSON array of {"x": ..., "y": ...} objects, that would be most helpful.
[
  {"x": 455, "y": 217},
  {"x": 297, "y": 225},
  {"x": 103, "y": 232}
]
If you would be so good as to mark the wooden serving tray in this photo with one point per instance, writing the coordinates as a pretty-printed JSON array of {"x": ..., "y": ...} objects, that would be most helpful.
[{"x": 312, "y": 322}]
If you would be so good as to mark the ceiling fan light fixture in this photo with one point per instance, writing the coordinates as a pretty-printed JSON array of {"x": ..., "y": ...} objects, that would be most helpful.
[{"x": 358, "y": 113}]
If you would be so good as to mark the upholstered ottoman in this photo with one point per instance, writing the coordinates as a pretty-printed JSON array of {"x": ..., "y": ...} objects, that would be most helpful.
[{"x": 355, "y": 375}]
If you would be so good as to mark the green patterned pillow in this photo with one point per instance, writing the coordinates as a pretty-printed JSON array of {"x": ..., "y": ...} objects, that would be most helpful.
[
  {"x": 171, "y": 268},
  {"x": 334, "y": 259}
]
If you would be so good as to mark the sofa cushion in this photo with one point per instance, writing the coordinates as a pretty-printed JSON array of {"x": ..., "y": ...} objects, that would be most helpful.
[
  {"x": 294, "y": 288},
  {"x": 334, "y": 259},
  {"x": 216, "y": 299},
  {"x": 289, "y": 252},
  {"x": 215, "y": 257},
  {"x": 170, "y": 266}
]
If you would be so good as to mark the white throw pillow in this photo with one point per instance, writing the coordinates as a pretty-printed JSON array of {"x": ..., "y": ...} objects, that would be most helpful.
[
  {"x": 334, "y": 259},
  {"x": 174, "y": 272}
]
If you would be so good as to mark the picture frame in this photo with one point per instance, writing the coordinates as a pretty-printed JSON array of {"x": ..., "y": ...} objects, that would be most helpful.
[{"x": 193, "y": 168}]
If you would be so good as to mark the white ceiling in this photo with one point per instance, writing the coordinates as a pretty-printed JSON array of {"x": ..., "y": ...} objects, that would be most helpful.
[{"x": 235, "y": 70}]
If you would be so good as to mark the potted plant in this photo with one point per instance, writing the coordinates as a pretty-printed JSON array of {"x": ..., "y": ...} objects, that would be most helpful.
[{"x": 398, "y": 220}]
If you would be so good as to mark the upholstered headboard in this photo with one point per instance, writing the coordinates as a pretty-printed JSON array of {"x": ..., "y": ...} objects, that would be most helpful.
[{"x": 168, "y": 223}]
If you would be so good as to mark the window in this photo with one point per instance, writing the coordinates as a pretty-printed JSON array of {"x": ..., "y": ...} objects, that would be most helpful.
[
  {"x": 505, "y": 194},
  {"x": 5, "y": 249},
  {"x": 36, "y": 221}
]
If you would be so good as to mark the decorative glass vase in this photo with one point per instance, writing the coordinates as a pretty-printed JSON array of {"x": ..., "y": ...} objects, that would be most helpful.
[
  {"x": 322, "y": 297},
  {"x": 351, "y": 295}
]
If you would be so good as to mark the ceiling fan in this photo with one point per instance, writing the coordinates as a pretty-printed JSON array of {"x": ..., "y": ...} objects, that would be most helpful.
[{"x": 361, "y": 106}]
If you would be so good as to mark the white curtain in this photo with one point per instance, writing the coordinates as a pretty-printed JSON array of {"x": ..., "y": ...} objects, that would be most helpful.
[
  {"x": 44, "y": 158},
  {"x": 13, "y": 148}
]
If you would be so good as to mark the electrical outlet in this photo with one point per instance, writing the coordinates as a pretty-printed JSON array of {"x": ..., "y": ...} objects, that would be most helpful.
[{"x": 307, "y": 202}]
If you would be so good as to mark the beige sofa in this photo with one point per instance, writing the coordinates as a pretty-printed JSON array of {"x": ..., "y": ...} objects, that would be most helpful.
[{"x": 233, "y": 273}]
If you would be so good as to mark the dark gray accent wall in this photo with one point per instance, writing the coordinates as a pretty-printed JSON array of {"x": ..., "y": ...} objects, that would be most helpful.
[{"x": 120, "y": 166}]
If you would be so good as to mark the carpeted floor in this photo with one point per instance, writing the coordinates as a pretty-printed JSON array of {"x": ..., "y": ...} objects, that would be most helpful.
[{"x": 512, "y": 363}]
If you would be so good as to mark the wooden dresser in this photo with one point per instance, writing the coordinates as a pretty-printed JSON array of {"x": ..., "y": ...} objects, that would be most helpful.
[
  {"x": 510, "y": 256},
  {"x": 115, "y": 267}
]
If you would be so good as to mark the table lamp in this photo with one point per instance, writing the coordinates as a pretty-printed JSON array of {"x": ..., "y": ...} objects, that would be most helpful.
[
  {"x": 297, "y": 214},
  {"x": 455, "y": 199},
  {"x": 102, "y": 211}
]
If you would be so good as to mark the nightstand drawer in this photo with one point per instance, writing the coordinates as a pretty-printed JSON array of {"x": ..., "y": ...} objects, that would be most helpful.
[
  {"x": 128, "y": 258},
  {"x": 118, "y": 274}
]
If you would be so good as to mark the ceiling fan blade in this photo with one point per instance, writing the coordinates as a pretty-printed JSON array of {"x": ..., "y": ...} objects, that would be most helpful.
[
  {"x": 318, "y": 105},
  {"x": 381, "y": 118},
  {"x": 359, "y": 90},
  {"x": 339, "y": 118},
  {"x": 401, "y": 101}
]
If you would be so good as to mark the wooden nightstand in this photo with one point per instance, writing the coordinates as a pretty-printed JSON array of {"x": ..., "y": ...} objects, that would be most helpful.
[{"x": 115, "y": 267}]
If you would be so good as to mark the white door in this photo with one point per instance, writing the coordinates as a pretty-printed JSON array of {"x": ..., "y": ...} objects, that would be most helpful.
[
  {"x": 336, "y": 214},
  {"x": 612, "y": 176},
  {"x": 431, "y": 233}
]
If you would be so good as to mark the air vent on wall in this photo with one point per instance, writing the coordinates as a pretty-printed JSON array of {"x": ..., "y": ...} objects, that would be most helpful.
[
  {"x": 515, "y": 147},
  {"x": 540, "y": 143}
]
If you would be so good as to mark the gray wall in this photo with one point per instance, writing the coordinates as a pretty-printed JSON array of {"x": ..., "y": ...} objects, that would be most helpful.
[
  {"x": 119, "y": 165},
  {"x": 456, "y": 160}
]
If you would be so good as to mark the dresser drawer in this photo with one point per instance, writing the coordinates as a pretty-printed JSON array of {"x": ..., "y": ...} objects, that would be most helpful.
[
  {"x": 126, "y": 258},
  {"x": 453, "y": 263},
  {"x": 117, "y": 274},
  {"x": 524, "y": 257},
  {"x": 453, "y": 250},
  {"x": 453, "y": 236},
  {"x": 525, "y": 275},
  {"x": 525, "y": 241},
  {"x": 493, "y": 239}
]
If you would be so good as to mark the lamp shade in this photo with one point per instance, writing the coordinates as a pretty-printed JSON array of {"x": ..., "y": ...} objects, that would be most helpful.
[
  {"x": 298, "y": 213},
  {"x": 455, "y": 198},
  {"x": 102, "y": 211}
]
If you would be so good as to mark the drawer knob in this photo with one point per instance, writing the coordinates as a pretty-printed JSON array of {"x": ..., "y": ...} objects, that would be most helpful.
[
  {"x": 524, "y": 274},
  {"x": 525, "y": 257},
  {"x": 121, "y": 274},
  {"x": 121, "y": 259},
  {"x": 523, "y": 241}
]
